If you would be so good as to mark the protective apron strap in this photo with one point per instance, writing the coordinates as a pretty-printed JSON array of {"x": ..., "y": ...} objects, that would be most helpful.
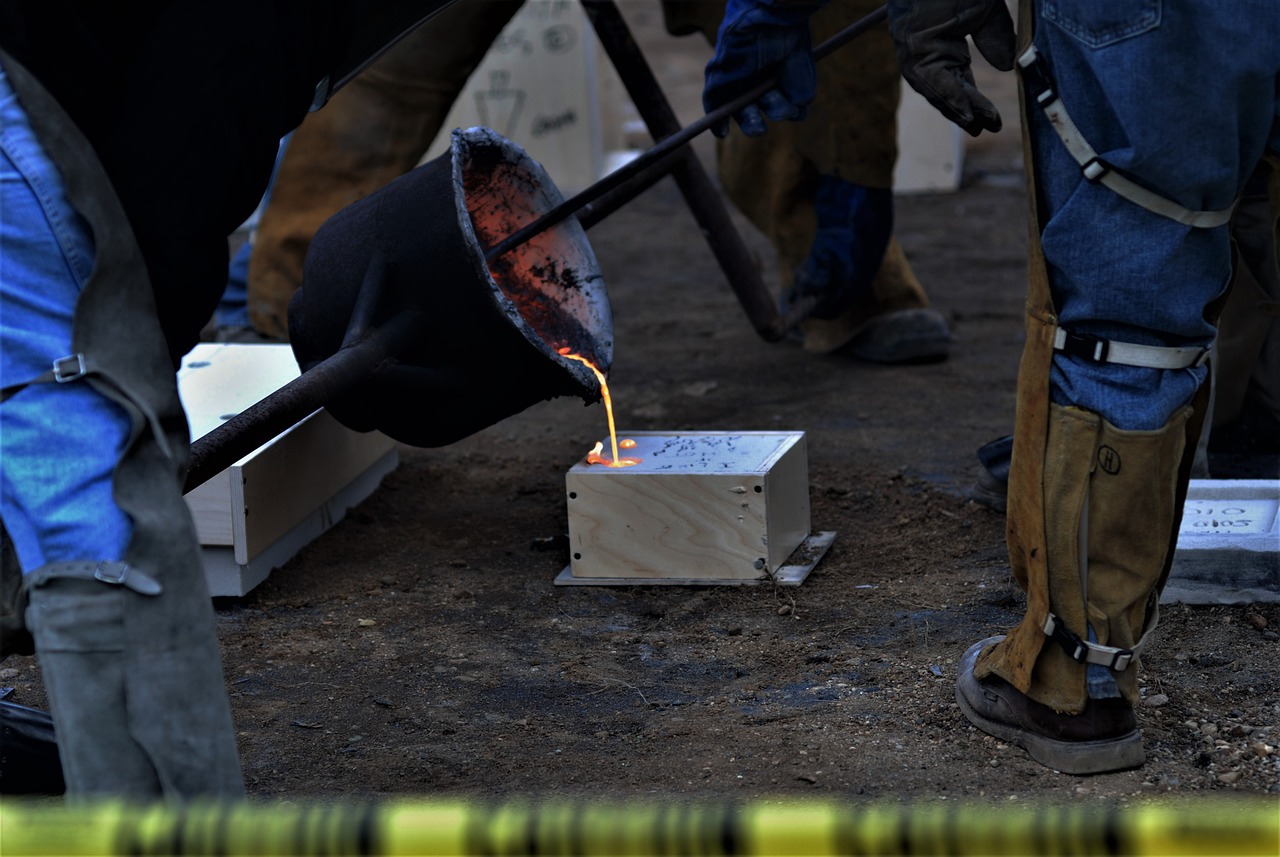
[
  {"x": 149, "y": 617},
  {"x": 111, "y": 347}
]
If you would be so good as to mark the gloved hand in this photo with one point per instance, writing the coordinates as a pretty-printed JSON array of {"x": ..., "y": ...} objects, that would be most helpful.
[
  {"x": 758, "y": 38},
  {"x": 854, "y": 225},
  {"x": 930, "y": 39}
]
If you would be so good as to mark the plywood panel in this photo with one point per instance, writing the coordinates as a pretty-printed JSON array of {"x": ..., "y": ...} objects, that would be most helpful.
[
  {"x": 706, "y": 505},
  {"x": 211, "y": 507},
  {"x": 297, "y": 472}
]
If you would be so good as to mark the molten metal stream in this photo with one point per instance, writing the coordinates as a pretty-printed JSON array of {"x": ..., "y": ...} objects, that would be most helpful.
[{"x": 594, "y": 456}]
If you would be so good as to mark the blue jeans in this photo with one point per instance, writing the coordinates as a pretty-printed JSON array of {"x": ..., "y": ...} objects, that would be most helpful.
[
  {"x": 1181, "y": 97},
  {"x": 59, "y": 443},
  {"x": 233, "y": 307}
]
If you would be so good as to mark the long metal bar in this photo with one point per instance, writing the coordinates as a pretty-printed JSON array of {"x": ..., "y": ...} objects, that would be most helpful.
[
  {"x": 643, "y": 88},
  {"x": 259, "y": 423},
  {"x": 700, "y": 194},
  {"x": 365, "y": 352},
  {"x": 598, "y": 209}
]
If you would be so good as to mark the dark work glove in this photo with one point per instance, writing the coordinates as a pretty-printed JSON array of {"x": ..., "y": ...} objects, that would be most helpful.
[
  {"x": 759, "y": 38},
  {"x": 934, "y": 56},
  {"x": 854, "y": 225}
]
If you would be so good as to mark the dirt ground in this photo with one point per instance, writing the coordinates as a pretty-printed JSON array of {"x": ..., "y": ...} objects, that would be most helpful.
[{"x": 421, "y": 648}]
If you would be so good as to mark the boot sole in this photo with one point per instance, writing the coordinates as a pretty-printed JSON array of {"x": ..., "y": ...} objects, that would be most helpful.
[
  {"x": 1069, "y": 757},
  {"x": 993, "y": 497},
  {"x": 901, "y": 336}
]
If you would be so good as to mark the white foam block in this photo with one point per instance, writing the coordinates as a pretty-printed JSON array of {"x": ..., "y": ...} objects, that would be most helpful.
[{"x": 1228, "y": 543}]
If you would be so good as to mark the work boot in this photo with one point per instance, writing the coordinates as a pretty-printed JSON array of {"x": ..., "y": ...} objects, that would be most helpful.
[
  {"x": 1104, "y": 737},
  {"x": 992, "y": 486},
  {"x": 1063, "y": 683},
  {"x": 29, "y": 764},
  {"x": 892, "y": 324}
]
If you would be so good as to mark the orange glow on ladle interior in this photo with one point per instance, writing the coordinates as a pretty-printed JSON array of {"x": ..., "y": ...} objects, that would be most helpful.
[{"x": 594, "y": 456}]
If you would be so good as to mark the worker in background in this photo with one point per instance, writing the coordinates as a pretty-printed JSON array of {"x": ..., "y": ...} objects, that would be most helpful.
[
  {"x": 821, "y": 191},
  {"x": 1137, "y": 159},
  {"x": 827, "y": 206},
  {"x": 374, "y": 130}
]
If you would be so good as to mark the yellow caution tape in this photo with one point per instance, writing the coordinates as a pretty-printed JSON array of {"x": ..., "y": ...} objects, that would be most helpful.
[{"x": 1248, "y": 826}]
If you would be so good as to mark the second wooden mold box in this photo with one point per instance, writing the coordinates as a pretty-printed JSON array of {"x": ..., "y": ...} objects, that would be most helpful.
[
  {"x": 257, "y": 514},
  {"x": 699, "y": 508}
]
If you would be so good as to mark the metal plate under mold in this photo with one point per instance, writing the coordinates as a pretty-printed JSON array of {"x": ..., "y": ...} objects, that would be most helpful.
[{"x": 792, "y": 573}]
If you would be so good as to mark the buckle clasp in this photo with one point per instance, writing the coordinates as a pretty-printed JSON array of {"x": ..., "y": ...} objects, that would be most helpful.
[{"x": 69, "y": 368}]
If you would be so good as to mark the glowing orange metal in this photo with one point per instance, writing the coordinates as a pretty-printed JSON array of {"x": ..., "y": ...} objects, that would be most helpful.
[{"x": 594, "y": 456}]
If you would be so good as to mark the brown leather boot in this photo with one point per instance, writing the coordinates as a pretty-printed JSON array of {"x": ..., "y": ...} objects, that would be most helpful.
[
  {"x": 1103, "y": 737},
  {"x": 894, "y": 324},
  {"x": 1110, "y": 510}
]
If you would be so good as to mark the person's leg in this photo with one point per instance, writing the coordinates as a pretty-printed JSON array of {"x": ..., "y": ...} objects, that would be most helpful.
[
  {"x": 1245, "y": 400},
  {"x": 59, "y": 443},
  {"x": 112, "y": 589},
  {"x": 233, "y": 307},
  {"x": 1102, "y": 445},
  {"x": 821, "y": 192},
  {"x": 231, "y": 318},
  {"x": 1246, "y": 358},
  {"x": 373, "y": 130}
]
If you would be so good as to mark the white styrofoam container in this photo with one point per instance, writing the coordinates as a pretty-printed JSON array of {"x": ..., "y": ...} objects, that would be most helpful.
[
  {"x": 1228, "y": 543},
  {"x": 254, "y": 516}
]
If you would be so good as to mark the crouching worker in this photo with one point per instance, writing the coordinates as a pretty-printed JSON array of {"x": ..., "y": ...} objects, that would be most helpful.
[{"x": 134, "y": 138}]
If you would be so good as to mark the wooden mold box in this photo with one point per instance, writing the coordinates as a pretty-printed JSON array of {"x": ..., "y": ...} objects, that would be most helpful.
[
  {"x": 254, "y": 516},
  {"x": 700, "y": 508}
]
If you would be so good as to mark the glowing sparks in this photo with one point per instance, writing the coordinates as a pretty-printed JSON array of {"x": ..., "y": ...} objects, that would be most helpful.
[{"x": 595, "y": 456}]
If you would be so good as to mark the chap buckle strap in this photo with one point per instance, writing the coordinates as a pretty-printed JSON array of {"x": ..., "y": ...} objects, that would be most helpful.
[
  {"x": 73, "y": 367},
  {"x": 1036, "y": 80},
  {"x": 1085, "y": 652},
  {"x": 1099, "y": 350},
  {"x": 108, "y": 572}
]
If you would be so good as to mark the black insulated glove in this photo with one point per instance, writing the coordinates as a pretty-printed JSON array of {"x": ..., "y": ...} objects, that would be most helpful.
[{"x": 930, "y": 39}]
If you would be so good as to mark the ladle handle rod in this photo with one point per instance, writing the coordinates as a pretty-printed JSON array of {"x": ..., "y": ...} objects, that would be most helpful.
[
  {"x": 672, "y": 143},
  {"x": 312, "y": 390}
]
